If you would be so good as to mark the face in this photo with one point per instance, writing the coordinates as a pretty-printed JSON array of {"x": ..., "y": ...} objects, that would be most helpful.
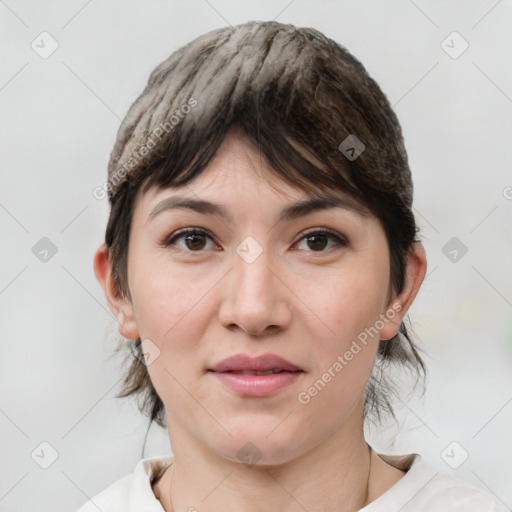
[{"x": 301, "y": 292}]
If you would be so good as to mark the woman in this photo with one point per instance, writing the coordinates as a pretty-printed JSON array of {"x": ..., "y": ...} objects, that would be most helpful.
[{"x": 261, "y": 252}]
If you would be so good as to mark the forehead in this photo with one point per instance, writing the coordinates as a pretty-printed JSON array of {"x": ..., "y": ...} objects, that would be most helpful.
[{"x": 239, "y": 170}]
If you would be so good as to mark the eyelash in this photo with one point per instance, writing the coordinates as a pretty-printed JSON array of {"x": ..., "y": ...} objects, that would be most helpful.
[{"x": 340, "y": 241}]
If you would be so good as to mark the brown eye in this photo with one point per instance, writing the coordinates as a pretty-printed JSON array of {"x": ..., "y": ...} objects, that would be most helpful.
[
  {"x": 191, "y": 240},
  {"x": 318, "y": 241},
  {"x": 195, "y": 241}
]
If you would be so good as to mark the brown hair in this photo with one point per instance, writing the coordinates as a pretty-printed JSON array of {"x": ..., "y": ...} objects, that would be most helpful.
[{"x": 294, "y": 93}]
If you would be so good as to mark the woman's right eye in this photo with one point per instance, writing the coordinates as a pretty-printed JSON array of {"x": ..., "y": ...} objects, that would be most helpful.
[{"x": 193, "y": 240}]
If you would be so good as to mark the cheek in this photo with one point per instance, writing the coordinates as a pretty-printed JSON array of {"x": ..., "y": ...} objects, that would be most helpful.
[
  {"x": 173, "y": 310},
  {"x": 349, "y": 302},
  {"x": 348, "y": 305},
  {"x": 167, "y": 302},
  {"x": 170, "y": 311},
  {"x": 343, "y": 364}
]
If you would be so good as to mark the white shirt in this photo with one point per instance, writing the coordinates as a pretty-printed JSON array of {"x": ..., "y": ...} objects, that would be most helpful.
[{"x": 422, "y": 489}]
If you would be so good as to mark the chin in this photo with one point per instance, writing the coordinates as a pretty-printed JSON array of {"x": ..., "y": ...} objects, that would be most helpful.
[{"x": 254, "y": 446}]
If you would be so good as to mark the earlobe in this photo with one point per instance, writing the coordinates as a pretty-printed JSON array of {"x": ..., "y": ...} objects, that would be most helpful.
[
  {"x": 120, "y": 306},
  {"x": 398, "y": 307},
  {"x": 126, "y": 324},
  {"x": 393, "y": 318}
]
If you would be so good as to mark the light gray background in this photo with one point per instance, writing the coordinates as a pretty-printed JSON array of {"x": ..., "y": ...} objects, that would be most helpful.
[{"x": 60, "y": 116}]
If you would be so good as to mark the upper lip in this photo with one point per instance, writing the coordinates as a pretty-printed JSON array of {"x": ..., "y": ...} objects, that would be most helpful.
[{"x": 241, "y": 362}]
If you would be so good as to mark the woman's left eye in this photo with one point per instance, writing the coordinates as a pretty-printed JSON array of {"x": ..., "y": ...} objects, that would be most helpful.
[{"x": 319, "y": 239}]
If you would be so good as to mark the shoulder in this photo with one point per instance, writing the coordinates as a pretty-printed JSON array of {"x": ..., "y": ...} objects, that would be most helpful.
[
  {"x": 114, "y": 497},
  {"x": 427, "y": 489},
  {"x": 132, "y": 492}
]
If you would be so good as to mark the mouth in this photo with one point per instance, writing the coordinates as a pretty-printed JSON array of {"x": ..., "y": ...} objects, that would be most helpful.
[
  {"x": 265, "y": 364},
  {"x": 257, "y": 372},
  {"x": 256, "y": 377},
  {"x": 257, "y": 384}
]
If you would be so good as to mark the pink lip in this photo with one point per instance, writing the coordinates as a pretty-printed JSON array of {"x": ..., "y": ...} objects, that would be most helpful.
[
  {"x": 256, "y": 385},
  {"x": 240, "y": 362}
]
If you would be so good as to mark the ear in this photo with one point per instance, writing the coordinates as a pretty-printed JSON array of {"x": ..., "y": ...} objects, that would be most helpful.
[
  {"x": 416, "y": 268},
  {"x": 120, "y": 306}
]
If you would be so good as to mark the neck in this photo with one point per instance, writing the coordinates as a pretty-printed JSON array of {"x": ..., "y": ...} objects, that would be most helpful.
[{"x": 334, "y": 476}]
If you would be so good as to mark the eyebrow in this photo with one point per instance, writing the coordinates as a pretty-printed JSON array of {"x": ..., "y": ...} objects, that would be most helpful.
[{"x": 293, "y": 211}]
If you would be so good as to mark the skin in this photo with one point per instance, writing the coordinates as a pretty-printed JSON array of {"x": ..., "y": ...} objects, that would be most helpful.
[{"x": 301, "y": 300}]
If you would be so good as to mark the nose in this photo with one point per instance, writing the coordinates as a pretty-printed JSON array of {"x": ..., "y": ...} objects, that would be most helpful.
[{"x": 255, "y": 298}]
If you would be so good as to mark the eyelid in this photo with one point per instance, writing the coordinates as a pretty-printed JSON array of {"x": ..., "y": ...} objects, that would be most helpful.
[
  {"x": 170, "y": 239},
  {"x": 324, "y": 231}
]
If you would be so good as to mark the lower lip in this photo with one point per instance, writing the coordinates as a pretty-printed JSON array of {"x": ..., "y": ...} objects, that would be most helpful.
[{"x": 257, "y": 385}]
